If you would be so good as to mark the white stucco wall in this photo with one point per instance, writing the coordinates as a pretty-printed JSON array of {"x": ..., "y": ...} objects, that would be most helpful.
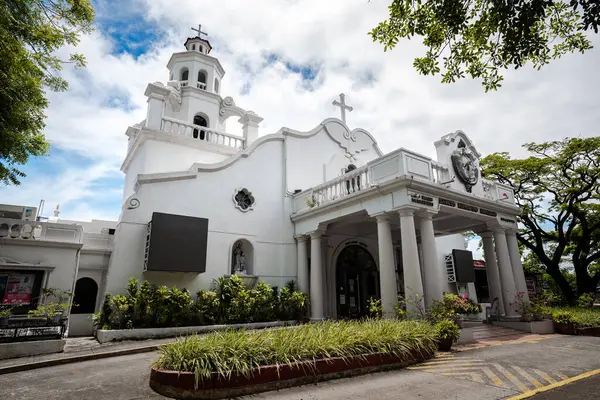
[
  {"x": 62, "y": 258},
  {"x": 210, "y": 195}
]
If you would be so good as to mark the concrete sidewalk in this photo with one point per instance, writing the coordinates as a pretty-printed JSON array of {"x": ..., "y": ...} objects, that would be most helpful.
[{"x": 82, "y": 349}]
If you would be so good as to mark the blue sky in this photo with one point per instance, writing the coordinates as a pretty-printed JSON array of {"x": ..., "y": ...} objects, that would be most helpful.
[{"x": 287, "y": 62}]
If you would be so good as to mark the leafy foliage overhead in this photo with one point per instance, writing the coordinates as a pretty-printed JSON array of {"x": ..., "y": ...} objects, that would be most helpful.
[
  {"x": 479, "y": 38},
  {"x": 558, "y": 190},
  {"x": 31, "y": 32}
]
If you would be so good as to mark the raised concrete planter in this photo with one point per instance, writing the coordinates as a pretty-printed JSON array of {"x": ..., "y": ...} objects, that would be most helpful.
[
  {"x": 539, "y": 327},
  {"x": 31, "y": 348},
  {"x": 181, "y": 385},
  {"x": 104, "y": 336},
  {"x": 466, "y": 336}
]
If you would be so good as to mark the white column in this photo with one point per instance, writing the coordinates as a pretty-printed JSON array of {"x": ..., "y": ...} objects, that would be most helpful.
[
  {"x": 387, "y": 272},
  {"x": 413, "y": 284},
  {"x": 434, "y": 275},
  {"x": 509, "y": 289},
  {"x": 517, "y": 265},
  {"x": 316, "y": 277},
  {"x": 302, "y": 264},
  {"x": 491, "y": 267}
]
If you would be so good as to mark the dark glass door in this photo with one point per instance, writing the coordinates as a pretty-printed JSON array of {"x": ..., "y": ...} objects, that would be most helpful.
[{"x": 357, "y": 281}]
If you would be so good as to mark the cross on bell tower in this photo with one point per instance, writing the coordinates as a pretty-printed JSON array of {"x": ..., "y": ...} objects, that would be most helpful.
[
  {"x": 199, "y": 30},
  {"x": 342, "y": 105}
]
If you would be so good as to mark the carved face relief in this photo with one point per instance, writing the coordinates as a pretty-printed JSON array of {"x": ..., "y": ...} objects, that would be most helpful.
[{"x": 464, "y": 163}]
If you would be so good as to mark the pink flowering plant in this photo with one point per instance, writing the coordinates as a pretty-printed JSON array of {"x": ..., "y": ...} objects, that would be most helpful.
[
  {"x": 452, "y": 307},
  {"x": 461, "y": 304}
]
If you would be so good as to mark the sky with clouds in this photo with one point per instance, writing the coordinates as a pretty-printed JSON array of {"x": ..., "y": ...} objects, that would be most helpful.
[{"x": 287, "y": 60}]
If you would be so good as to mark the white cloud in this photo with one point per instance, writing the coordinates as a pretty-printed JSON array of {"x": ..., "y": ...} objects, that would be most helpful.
[{"x": 399, "y": 107}]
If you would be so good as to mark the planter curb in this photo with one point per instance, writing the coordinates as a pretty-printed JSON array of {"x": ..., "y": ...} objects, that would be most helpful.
[
  {"x": 180, "y": 385},
  {"x": 78, "y": 358}
]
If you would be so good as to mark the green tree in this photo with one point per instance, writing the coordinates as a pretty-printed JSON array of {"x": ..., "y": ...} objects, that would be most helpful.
[
  {"x": 31, "y": 31},
  {"x": 558, "y": 190},
  {"x": 481, "y": 37}
]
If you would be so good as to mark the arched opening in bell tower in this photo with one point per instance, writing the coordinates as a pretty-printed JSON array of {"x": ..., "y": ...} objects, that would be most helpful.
[
  {"x": 202, "y": 79},
  {"x": 200, "y": 120},
  {"x": 184, "y": 76}
]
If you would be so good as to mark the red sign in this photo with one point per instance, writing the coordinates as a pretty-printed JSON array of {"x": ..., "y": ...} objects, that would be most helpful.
[
  {"x": 18, "y": 289},
  {"x": 479, "y": 263}
]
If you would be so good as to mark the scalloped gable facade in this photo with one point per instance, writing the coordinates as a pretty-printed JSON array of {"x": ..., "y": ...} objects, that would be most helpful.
[{"x": 272, "y": 168}]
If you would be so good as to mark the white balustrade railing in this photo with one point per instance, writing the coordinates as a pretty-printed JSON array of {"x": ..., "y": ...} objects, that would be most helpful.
[
  {"x": 183, "y": 83},
  {"x": 34, "y": 230},
  {"x": 346, "y": 185},
  {"x": 201, "y": 85},
  {"x": 440, "y": 172},
  {"x": 180, "y": 128}
]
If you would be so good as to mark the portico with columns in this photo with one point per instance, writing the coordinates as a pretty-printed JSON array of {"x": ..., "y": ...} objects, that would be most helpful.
[{"x": 395, "y": 208}]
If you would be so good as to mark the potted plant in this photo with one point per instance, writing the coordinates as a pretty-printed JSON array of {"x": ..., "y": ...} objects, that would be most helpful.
[
  {"x": 52, "y": 312},
  {"x": 5, "y": 314},
  {"x": 448, "y": 333},
  {"x": 563, "y": 323}
]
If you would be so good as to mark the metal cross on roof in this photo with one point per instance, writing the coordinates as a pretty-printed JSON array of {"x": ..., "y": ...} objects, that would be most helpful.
[
  {"x": 199, "y": 30},
  {"x": 342, "y": 105}
]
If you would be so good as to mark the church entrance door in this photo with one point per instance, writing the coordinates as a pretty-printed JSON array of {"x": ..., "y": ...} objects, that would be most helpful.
[{"x": 357, "y": 280}]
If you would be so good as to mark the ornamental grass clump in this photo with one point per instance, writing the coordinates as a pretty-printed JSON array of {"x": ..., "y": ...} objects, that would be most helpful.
[{"x": 242, "y": 352}]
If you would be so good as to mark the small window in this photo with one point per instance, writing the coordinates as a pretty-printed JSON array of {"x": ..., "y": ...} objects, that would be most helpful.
[
  {"x": 201, "y": 49},
  {"x": 216, "y": 85},
  {"x": 184, "y": 74},
  {"x": 202, "y": 76},
  {"x": 86, "y": 292},
  {"x": 193, "y": 47},
  {"x": 200, "y": 133},
  {"x": 243, "y": 199}
]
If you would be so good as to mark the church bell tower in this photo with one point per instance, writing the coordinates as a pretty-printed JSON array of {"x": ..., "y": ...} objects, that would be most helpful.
[{"x": 186, "y": 117}]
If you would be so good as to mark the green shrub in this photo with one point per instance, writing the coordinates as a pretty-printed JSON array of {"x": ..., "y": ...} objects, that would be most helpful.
[
  {"x": 262, "y": 300},
  {"x": 206, "y": 307},
  {"x": 375, "y": 308},
  {"x": 447, "y": 329},
  {"x": 241, "y": 352},
  {"x": 563, "y": 317},
  {"x": 147, "y": 305},
  {"x": 293, "y": 304},
  {"x": 586, "y": 300}
]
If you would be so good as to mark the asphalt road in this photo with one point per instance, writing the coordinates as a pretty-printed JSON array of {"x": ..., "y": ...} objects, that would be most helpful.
[
  {"x": 487, "y": 373},
  {"x": 585, "y": 389}
]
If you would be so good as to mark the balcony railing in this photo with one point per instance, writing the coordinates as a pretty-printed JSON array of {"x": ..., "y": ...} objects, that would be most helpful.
[
  {"x": 344, "y": 186},
  {"x": 32, "y": 230},
  {"x": 201, "y": 85},
  {"x": 180, "y": 128},
  {"x": 385, "y": 169}
]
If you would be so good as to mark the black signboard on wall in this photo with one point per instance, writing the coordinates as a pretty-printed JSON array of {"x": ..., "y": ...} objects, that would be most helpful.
[
  {"x": 463, "y": 265},
  {"x": 177, "y": 243}
]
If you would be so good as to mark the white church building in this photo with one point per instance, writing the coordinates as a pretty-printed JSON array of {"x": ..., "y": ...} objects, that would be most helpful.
[{"x": 325, "y": 208}]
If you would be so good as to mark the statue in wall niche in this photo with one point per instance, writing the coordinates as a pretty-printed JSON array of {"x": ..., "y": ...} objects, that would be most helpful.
[{"x": 239, "y": 259}]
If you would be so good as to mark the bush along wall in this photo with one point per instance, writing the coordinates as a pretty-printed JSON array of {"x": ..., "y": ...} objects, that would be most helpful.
[{"x": 148, "y": 305}]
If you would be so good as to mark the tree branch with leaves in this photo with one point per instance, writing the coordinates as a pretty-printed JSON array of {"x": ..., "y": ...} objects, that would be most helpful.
[
  {"x": 479, "y": 38},
  {"x": 31, "y": 31},
  {"x": 558, "y": 191}
]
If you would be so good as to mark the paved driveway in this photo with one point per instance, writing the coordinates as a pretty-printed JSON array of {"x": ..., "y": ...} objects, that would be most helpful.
[{"x": 494, "y": 372}]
